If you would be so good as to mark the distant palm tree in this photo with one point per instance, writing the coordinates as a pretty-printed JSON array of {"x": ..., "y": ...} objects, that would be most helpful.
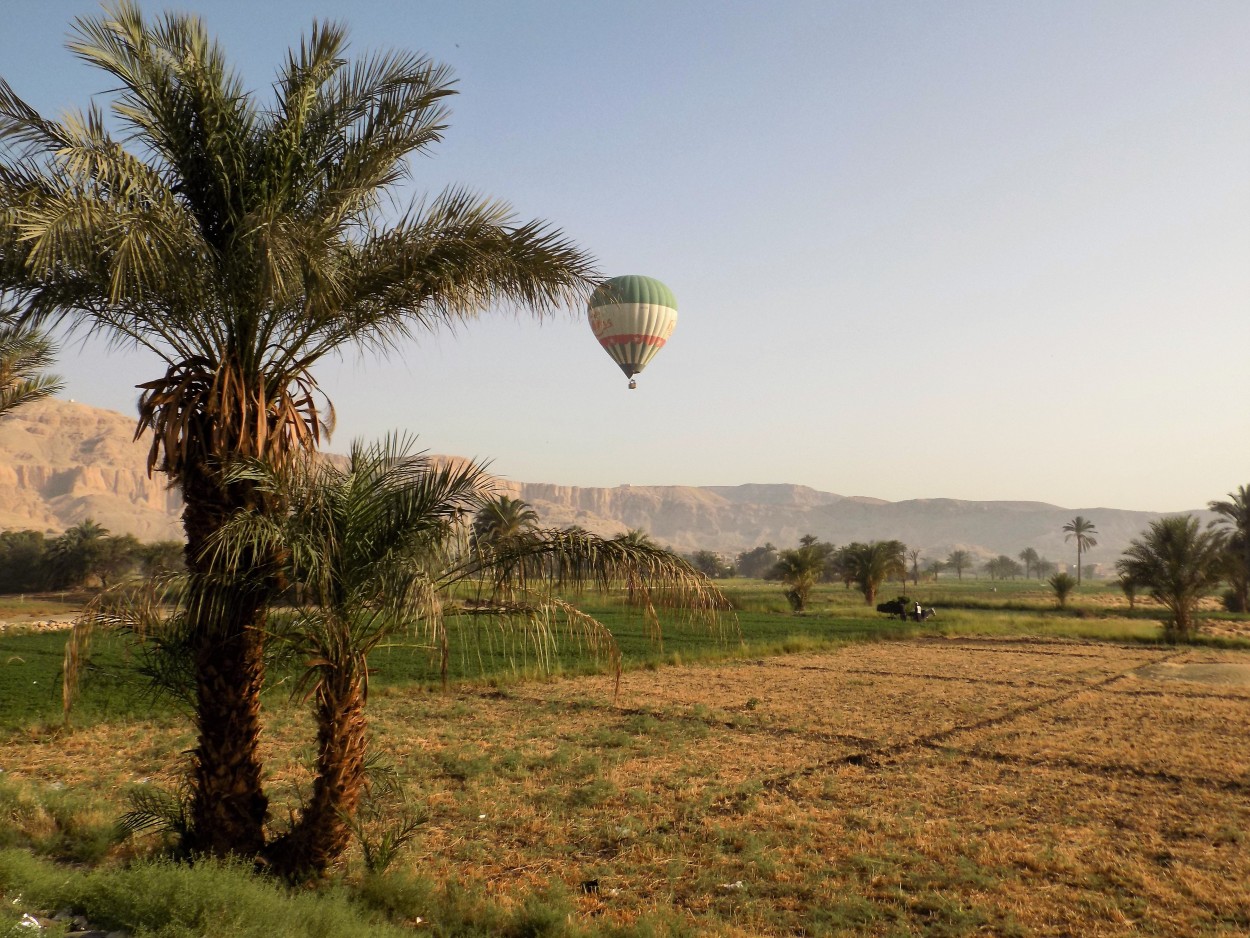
[
  {"x": 1235, "y": 521},
  {"x": 243, "y": 242},
  {"x": 959, "y": 559},
  {"x": 635, "y": 537},
  {"x": 24, "y": 355},
  {"x": 871, "y": 564},
  {"x": 800, "y": 570},
  {"x": 1128, "y": 586},
  {"x": 503, "y": 517},
  {"x": 73, "y": 555},
  {"x": 1029, "y": 558},
  {"x": 1063, "y": 584},
  {"x": 1081, "y": 530},
  {"x": 1178, "y": 562}
]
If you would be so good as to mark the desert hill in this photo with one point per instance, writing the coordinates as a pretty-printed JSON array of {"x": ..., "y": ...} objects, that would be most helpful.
[{"x": 61, "y": 462}]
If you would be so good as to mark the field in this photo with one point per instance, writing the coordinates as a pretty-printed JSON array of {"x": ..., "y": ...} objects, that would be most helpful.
[{"x": 937, "y": 784}]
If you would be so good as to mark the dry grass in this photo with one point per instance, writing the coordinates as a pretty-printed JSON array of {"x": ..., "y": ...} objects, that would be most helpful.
[{"x": 941, "y": 787}]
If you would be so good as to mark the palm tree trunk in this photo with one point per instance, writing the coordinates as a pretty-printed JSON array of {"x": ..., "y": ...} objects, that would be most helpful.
[
  {"x": 322, "y": 832},
  {"x": 228, "y": 803}
]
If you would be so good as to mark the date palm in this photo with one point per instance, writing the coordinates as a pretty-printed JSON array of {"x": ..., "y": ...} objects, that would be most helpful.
[
  {"x": 1234, "y": 520},
  {"x": 1063, "y": 584},
  {"x": 1178, "y": 562},
  {"x": 377, "y": 546},
  {"x": 502, "y": 517},
  {"x": 24, "y": 354},
  {"x": 636, "y": 537},
  {"x": 243, "y": 241},
  {"x": 1029, "y": 557},
  {"x": 871, "y": 564},
  {"x": 1081, "y": 530},
  {"x": 800, "y": 570},
  {"x": 959, "y": 559}
]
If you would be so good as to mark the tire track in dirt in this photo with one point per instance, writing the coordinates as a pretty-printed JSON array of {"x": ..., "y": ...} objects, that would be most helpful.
[
  {"x": 954, "y": 678},
  {"x": 1186, "y": 695},
  {"x": 1031, "y": 646},
  {"x": 1101, "y": 769}
]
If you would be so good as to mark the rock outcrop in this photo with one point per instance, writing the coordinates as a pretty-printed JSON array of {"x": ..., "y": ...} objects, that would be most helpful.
[{"x": 62, "y": 462}]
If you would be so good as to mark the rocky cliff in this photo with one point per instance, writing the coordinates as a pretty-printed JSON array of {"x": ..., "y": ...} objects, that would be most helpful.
[
  {"x": 61, "y": 462},
  {"x": 729, "y": 519}
]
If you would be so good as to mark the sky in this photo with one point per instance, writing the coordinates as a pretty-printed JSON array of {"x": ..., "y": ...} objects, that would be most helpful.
[{"x": 972, "y": 250}]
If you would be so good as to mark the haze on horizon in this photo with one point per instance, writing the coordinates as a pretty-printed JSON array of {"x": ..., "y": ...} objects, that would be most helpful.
[{"x": 962, "y": 250}]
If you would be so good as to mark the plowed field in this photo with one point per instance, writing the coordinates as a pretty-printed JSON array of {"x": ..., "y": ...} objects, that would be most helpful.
[{"x": 940, "y": 787}]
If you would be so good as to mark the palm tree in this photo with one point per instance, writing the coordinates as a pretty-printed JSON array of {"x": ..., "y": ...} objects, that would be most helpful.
[
  {"x": 959, "y": 559},
  {"x": 24, "y": 354},
  {"x": 1128, "y": 586},
  {"x": 871, "y": 564},
  {"x": 73, "y": 555},
  {"x": 1178, "y": 562},
  {"x": 376, "y": 546},
  {"x": 635, "y": 537},
  {"x": 242, "y": 242},
  {"x": 1235, "y": 521},
  {"x": 1063, "y": 584},
  {"x": 800, "y": 570},
  {"x": 1080, "y": 529},
  {"x": 503, "y": 517},
  {"x": 1029, "y": 558}
]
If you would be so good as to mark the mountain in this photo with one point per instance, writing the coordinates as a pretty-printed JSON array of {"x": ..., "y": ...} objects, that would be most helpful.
[
  {"x": 729, "y": 519},
  {"x": 61, "y": 462}
]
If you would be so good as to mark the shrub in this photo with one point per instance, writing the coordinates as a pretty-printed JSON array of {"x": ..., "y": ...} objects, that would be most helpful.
[{"x": 1063, "y": 584}]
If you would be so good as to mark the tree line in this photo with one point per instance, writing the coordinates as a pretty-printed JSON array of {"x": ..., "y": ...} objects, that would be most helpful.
[
  {"x": 761, "y": 562},
  {"x": 84, "y": 555}
]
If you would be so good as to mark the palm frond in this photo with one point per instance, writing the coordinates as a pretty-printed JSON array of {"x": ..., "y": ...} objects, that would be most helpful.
[{"x": 24, "y": 353}]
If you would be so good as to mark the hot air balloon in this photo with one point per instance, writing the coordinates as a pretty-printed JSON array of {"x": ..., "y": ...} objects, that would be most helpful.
[{"x": 632, "y": 317}]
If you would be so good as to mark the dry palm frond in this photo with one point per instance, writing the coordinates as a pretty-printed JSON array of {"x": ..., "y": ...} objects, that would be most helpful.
[{"x": 153, "y": 613}]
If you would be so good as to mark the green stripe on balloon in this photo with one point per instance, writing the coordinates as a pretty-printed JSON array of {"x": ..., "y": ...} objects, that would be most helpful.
[{"x": 633, "y": 288}]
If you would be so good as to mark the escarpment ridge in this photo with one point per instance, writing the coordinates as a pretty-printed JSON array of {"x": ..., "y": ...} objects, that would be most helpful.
[{"x": 61, "y": 462}]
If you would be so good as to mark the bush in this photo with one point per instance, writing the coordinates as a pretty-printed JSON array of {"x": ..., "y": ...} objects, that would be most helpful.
[{"x": 1063, "y": 584}]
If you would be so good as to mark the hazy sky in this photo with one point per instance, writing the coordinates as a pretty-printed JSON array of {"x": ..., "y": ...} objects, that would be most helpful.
[{"x": 971, "y": 250}]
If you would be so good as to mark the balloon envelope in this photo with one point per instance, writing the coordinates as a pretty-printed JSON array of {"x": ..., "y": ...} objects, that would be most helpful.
[{"x": 632, "y": 317}]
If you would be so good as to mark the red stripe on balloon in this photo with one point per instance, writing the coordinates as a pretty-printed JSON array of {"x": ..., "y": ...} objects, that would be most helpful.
[{"x": 655, "y": 340}]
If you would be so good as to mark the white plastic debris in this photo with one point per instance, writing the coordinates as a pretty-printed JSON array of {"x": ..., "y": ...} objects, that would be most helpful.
[{"x": 737, "y": 884}]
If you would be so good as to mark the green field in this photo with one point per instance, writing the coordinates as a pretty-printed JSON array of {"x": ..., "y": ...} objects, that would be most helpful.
[{"x": 114, "y": 688}]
